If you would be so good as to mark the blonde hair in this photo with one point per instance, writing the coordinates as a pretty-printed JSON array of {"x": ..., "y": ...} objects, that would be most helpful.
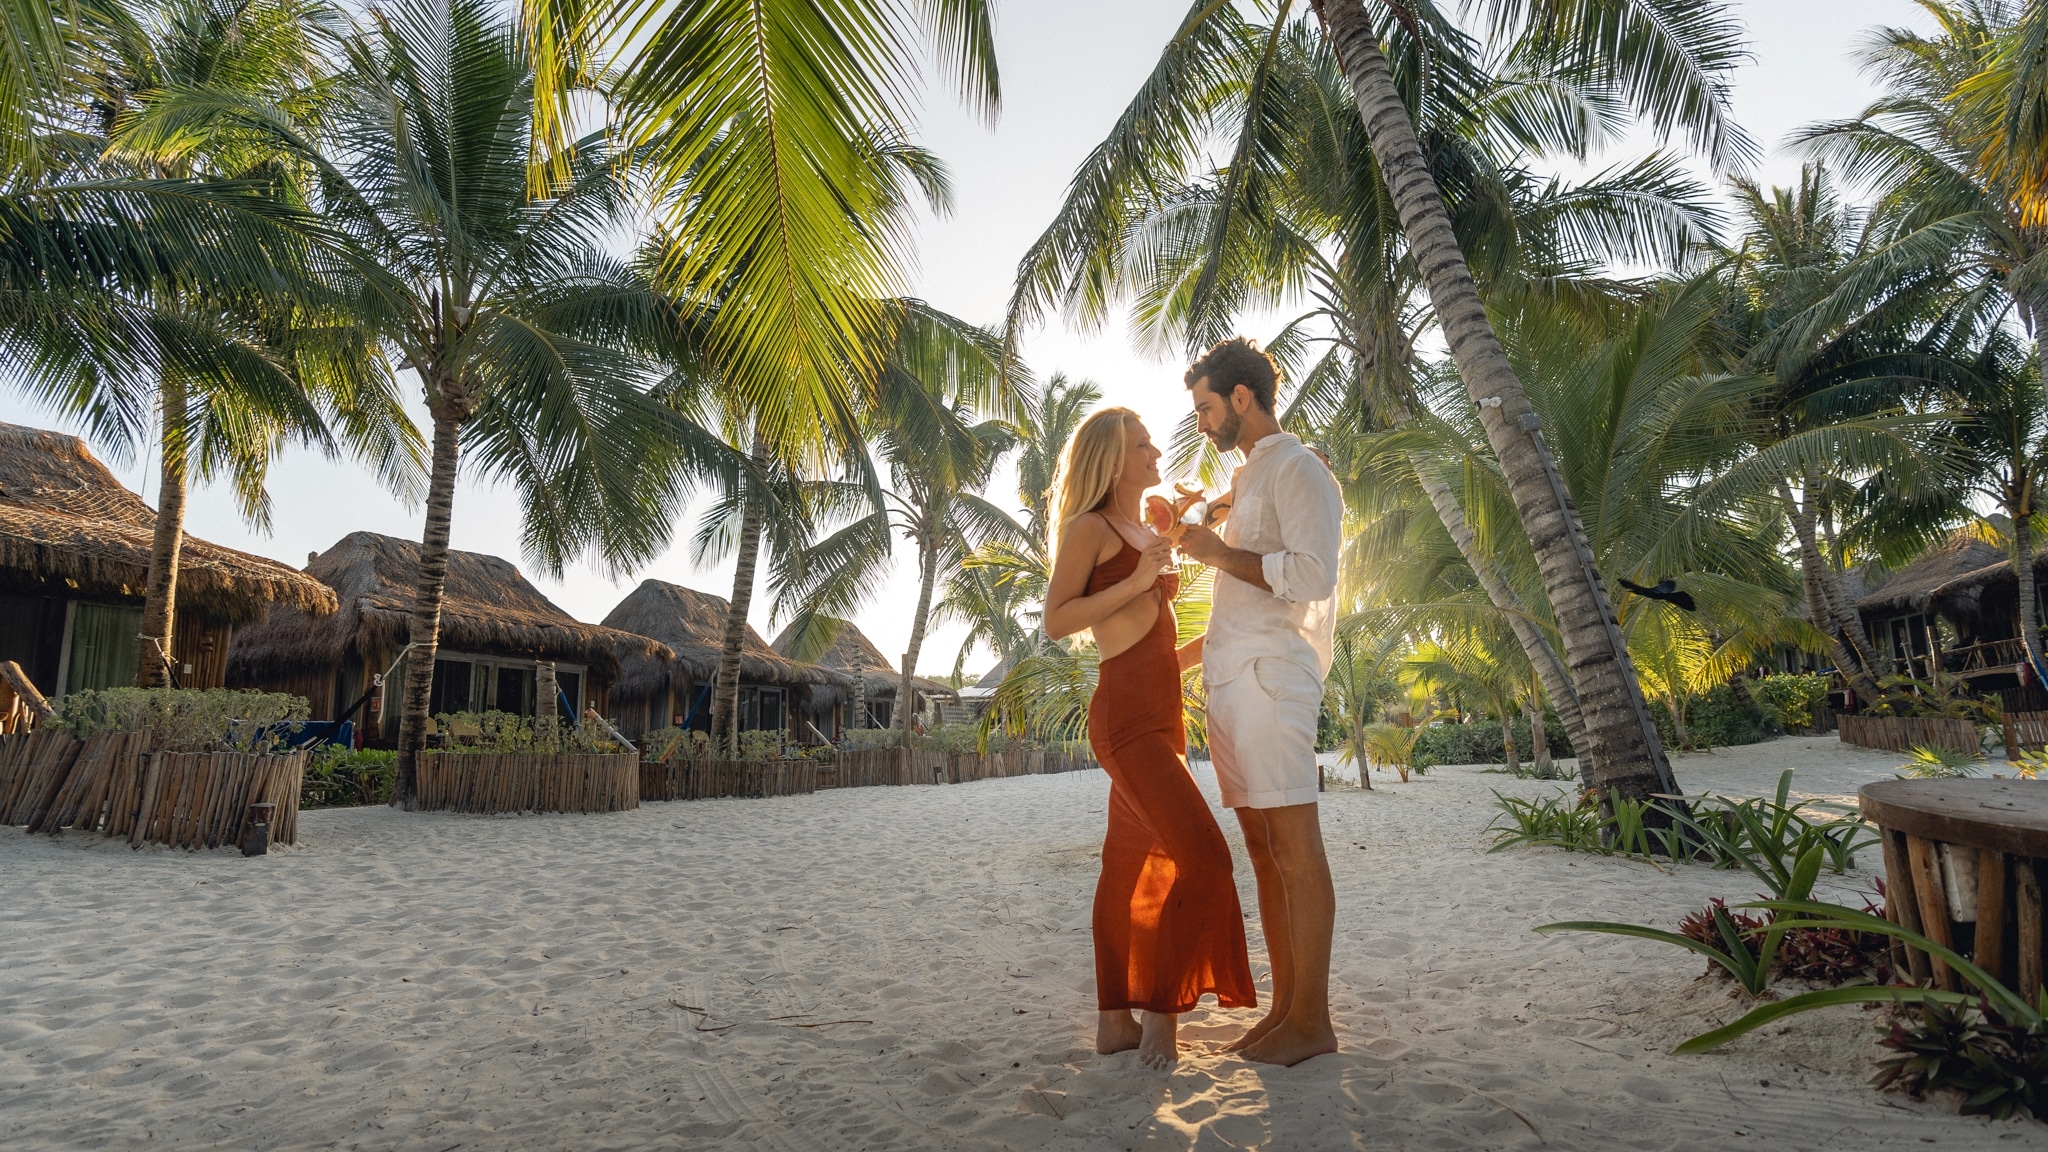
[{"x": 1089, "y": 468}]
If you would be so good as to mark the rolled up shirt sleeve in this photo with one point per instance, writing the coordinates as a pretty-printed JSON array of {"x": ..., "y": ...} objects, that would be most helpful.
[{"x": 1311, "y": 534}]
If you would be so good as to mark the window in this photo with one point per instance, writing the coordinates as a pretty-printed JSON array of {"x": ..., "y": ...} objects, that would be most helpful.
[
  {"x": 453, "y": 680},
  {"x": 515, "y": 690},
  {"x": 571, "y": 686}
]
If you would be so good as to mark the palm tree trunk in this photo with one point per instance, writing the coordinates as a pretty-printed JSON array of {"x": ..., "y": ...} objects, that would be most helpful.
[
  {"x": 425, "y": 633},
  {"x": 928, "y": 572},
  {"x": 1845, "y": 635},
  {"x": 160, "y": 592},
  {"x": 1512, "y": 761},
  {"x": 725, "y": 691},
  {"x": 1358, "y": 751},
  {"x": 1555, "y": 677},
  {"x": 1622, "y": 748},
  {"x": 1539, "y": 741},
  {"x": 2023, "y": 573}
]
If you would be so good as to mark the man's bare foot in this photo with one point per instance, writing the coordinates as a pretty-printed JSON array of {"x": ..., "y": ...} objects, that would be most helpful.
[
  {"x": 1159, "y": 1047},
  {"x": 1258, "y": 1031},
  {"x": 1289, "y": 1044},
  {"x": 1116, "y": 1032}
]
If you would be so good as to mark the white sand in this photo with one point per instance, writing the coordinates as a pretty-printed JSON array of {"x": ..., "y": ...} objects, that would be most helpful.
[{"x": 439, "y": 982}]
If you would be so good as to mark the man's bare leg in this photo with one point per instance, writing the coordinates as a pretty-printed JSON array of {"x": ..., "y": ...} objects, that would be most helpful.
[
  {"x": 1116, "y": 1031},
  {"x": 1294, "y": 835},
  {"x": 1273, "y": 922}
]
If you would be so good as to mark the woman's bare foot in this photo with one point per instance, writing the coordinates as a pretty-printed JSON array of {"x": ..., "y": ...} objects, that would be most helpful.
[
  {"x": 1159, "y": 1047},
  {"x": 1116, "y": 1032},
  {"x": 1289, "y": 1044}
]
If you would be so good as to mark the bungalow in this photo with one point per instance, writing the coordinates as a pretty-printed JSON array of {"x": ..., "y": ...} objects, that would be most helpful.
[
  {"x": 498, "y": 632},
  {"x": 775, "y": 692},
  {"x": 74, "y": 559},
  {"x": 1956, "y": 605},
  {"x": 871, "y": 682}
]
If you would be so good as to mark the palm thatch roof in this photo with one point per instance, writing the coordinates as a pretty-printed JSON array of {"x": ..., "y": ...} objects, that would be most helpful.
[
  {"x": 488, "y": 608},
  {"x": 692, "y": 625},
  {"x": 1950, "y": 578},
  {"x": 66, "y": 522},
  {"x": 852, "y": 653}
]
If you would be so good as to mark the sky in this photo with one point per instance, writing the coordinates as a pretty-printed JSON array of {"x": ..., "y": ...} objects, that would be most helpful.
[{"x": 1068, "y": 68}]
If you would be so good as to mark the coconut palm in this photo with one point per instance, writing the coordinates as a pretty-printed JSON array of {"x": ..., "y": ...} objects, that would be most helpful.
[
  {"x": 942, "y": 418},
  {"x": 231, "y": 371},
  {"x": 1666, "y": 58},
  {"x": 533, "y": 345},
  {"x": 1302, "y": 208},
  {"x": 768, "y": 131}
]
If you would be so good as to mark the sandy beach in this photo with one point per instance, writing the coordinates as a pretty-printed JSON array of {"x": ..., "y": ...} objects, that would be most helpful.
[{"x": 883, "y": 968}]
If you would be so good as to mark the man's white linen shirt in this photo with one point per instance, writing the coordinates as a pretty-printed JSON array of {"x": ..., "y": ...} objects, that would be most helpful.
[{"x": 1284, "y": 506}]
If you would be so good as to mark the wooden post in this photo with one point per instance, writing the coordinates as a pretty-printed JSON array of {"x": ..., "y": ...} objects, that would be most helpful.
[
  {"x": 2026, "y": 872},
  {"x": 1902, "y": 903},
  {"x": 1933, "y": 905},
  {"x": 1991, "y": 901}
]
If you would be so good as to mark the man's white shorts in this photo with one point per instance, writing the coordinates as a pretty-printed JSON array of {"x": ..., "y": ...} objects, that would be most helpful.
[{"x": 1262, "y": 734}]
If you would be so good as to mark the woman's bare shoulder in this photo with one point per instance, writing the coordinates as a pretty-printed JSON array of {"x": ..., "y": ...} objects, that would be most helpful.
[{"x": 1088, "y": 536}]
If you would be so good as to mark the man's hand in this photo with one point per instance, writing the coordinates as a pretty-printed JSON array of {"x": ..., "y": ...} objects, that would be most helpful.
[
  {"x": 1202, "y": 545},
  {"x": 1206, "y": 547}
]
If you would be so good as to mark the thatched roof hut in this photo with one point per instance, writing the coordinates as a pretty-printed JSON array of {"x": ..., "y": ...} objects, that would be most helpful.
[
  {"x": 775, "y": 690},
  {"x": 852, "y": 653},
  {"x": 487, "y": 607},
  {"x": 1950, "y": 579},
  {"x": 692, "y": 625},
  {"x": 68, "y": 528}
]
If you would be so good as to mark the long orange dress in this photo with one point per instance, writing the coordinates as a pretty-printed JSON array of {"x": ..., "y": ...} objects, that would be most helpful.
[{"x": 1168, "y": 927}]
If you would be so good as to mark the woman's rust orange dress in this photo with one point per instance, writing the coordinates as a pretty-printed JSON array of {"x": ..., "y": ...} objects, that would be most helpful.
[{"x": 1167, "y": 923}]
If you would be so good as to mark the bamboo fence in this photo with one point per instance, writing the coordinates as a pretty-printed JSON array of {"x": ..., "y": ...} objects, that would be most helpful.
[
  {"x": 114, "y": 785},
  {"x": 202, "y": 799},
  {"x": 490, "y": 782},
  {"x": 2025, "y": 731},
  {"x": 680, "y": 779},
  {"x": 1905, "y": 733}
]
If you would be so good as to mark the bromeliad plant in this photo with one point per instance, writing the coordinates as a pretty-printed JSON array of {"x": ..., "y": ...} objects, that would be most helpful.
[{"x": 1731, "y": 950}]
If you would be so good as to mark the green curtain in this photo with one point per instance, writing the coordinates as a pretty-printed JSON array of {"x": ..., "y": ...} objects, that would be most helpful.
[{"x": 104, "y": 647}]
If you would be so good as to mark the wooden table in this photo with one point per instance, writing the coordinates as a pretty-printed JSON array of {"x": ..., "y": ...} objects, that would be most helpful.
[{"x": 1990, "y": 837}]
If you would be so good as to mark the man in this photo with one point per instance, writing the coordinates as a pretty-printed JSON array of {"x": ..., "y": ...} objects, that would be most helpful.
[{"x": 1264, "y": 659}]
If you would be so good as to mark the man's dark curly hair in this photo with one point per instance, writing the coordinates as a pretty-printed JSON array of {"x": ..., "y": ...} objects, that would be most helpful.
[{"x": 1236, "y": 361}]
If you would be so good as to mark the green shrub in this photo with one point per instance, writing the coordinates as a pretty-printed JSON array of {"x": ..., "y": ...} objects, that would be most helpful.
[
  {"x": 505, "y": 732},
  {"x": 1999, "y": 1066},
  {"x": 1479, "y": 742},
  {"x": 338, "y": 777},
  {"x": 861, "y": 739},
  {"x": 182, "y": 719},
  {"x": 1793, "y": 698},
  {"x": 1715, "y": 719}
]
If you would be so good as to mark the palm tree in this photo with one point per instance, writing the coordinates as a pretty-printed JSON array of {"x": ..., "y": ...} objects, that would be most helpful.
[
  {"x": 234, "y": 372},
  {"x": 1302, "y": 203},
  {"x": 531, "y": 342},
  {"x": 770, "y": 133},
  {"x": 936, "y": 439},
  {"x": 1354, "y": 690},
  {"x": 1668, "y": 58}
]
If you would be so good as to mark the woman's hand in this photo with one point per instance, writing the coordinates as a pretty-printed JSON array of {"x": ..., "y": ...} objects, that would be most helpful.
[{"x": 1154, "y": 559}]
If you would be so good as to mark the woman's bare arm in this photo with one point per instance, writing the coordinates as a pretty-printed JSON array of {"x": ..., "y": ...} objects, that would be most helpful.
[{"x": 1067, "y": 609}]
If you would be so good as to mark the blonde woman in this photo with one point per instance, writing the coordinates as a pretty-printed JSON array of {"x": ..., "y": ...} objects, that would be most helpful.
[{"x": 1168, "y": 928}]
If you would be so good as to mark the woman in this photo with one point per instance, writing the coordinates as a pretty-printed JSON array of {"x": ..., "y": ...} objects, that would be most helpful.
[{"x": 1167, "y": 924}]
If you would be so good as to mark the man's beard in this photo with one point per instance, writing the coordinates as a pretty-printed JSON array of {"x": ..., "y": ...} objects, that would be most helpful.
[{"x": 1224, "y": 435}]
